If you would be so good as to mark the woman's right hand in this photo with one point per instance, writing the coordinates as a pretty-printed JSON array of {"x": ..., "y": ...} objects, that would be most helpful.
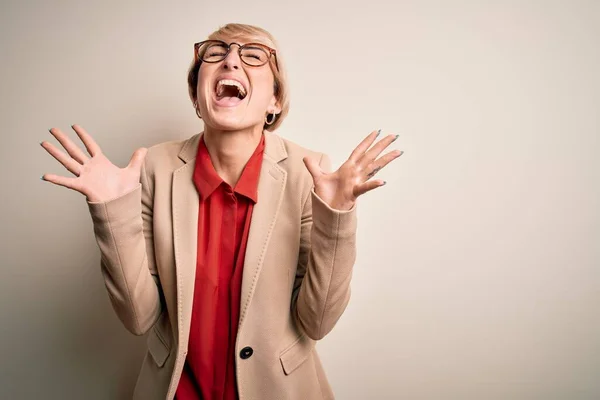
[{"x": 95, "y": 177}]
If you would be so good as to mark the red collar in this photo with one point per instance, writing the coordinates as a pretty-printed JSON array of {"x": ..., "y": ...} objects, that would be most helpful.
[{"x": 207, "y": 180}]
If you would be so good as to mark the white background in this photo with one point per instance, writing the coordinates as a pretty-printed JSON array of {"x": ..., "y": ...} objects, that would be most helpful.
[{"x": 478, "y": 272}]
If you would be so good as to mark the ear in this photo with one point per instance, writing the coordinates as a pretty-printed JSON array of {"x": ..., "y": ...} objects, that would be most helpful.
[{"x": 274, "y": 106}]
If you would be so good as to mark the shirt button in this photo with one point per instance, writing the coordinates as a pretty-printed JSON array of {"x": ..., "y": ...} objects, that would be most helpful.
[{"x": 246, "y": 353}]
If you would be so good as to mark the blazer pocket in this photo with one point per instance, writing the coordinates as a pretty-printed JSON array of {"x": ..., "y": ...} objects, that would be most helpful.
[
  {"x": 157, "y": 348},
  {"x": 295, "y": 355}
]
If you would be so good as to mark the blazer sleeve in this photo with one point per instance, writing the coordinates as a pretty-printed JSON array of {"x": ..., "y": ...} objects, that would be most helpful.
[
  {"x": 321, "y": 289},
  {"x": 124, "y": 233}
]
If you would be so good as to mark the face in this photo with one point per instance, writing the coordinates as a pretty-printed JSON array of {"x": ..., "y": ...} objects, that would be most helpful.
[{"x": 233, "y": 95}]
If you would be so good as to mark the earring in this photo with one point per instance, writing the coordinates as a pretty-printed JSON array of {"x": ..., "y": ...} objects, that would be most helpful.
[
  {"x": 197, "y": 111},
  {"x": 271, "y": 120}
]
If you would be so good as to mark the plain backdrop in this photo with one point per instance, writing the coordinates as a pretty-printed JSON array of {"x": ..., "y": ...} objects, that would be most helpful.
[{"x": 478, "y": 270}]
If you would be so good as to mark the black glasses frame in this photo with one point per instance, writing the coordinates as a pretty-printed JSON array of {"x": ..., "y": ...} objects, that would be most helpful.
[{"x": 270, "y": 52}]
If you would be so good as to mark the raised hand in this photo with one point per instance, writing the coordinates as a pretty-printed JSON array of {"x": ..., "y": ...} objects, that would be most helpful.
[
  {"x": 341, "y": 188},
  {"x": 95, "y": 176}
]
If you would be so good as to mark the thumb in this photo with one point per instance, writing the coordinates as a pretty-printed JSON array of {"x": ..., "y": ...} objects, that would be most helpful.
[
  {"x": 137, "y": 159},
  {"x": 313, "y": 167}
]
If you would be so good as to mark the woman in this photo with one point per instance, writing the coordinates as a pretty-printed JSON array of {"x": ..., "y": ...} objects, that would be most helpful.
[{"x": 234, "y": 248}]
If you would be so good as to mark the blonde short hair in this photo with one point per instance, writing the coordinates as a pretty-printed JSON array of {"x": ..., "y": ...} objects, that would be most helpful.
[{"x": 253, "y": 34}]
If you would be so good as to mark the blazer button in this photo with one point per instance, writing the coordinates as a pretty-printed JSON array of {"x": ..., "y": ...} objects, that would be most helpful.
[{"x": 246, "y": 353}]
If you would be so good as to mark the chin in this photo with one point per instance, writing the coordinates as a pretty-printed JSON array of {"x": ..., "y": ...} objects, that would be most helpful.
[{"x": 228, "y": 123}]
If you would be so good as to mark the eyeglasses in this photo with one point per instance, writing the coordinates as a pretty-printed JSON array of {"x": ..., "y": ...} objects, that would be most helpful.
[{"x": 253, "y": 54}]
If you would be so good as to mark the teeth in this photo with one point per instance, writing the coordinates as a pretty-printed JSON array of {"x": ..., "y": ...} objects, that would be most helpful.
[{"x": 230, "y": 82}]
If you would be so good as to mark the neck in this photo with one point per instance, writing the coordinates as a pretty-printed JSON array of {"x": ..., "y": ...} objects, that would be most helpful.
[{"x": 230, "y": 150}]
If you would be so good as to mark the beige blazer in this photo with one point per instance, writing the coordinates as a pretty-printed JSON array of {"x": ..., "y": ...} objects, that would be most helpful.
[{"x": 296, "y": 278}]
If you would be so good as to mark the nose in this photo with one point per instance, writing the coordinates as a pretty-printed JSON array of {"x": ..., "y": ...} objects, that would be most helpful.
[{"x": 232, "y": 61}]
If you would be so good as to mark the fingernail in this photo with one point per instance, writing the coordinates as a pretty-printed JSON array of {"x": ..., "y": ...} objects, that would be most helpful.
[
  {"x": 384, "y": 182},
  {"x": 378, "y": 132},
  {"x": 402, "y": 152},
  {"x": 395, "y": 138},
  {"x": 42, "y": 177}
]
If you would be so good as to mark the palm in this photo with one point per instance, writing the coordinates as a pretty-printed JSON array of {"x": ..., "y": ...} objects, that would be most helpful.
[
  {"x": 100, "y": 178},
  {"x": 341, "y": 188},
  {"x": 96, "y": 177}
]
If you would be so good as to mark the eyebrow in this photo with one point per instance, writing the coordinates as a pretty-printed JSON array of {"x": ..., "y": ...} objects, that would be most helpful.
[{"x": 253, "y": 45}]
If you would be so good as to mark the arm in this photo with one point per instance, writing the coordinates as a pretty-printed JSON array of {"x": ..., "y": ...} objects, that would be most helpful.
[
  {"x": 124, "y": 233},
  {"x": 328, "y": 233},
  {"x": 327, "y": 253},
  {"x": 121, "y": 211}
]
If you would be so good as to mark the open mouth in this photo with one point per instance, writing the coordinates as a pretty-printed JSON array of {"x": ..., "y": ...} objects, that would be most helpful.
[{"x": 230, "y": 92}]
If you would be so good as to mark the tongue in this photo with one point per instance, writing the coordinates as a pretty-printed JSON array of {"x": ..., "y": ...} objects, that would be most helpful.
[{"x": 228, "y": 101}]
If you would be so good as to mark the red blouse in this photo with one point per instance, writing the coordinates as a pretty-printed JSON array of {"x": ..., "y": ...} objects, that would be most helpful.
[{"x": 223, "y": 224}]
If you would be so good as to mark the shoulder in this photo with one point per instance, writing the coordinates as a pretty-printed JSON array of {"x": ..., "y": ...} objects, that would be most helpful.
[
  {"x": 296, "y": 153},
  {"x": 297, "y": 173},
  {"x": 173, "y": 148},
  {"x": 170, "y": 155}
]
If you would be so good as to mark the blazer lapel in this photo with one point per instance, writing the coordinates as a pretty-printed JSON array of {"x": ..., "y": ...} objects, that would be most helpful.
[
  {"x": 271, "y": 187},
  {"x": 185, "y": 236}
]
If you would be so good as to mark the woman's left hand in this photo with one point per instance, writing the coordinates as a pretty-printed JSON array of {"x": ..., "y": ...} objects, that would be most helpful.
[{"x": 341, "y": 188}]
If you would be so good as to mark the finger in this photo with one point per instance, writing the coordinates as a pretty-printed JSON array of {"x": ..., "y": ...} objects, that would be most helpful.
[
  {"x": 376, "y": 150},
  {"x": 368, "y": 186},
  {"x": 73, "y": 166},
  {"x": 382, "y": 161},
  {"x": 61, "y": 181},
  {"x": 313, "y": 167},
  {"x": 137, "y": 159},
  {"x": 89, "y": 143},
  {"x": 358, "y": 152},
  {"x": 74, "y": 151}
]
